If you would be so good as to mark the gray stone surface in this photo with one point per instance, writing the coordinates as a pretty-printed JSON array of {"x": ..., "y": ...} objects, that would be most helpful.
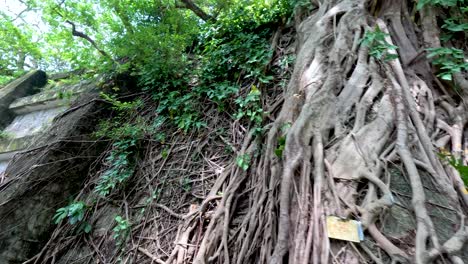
[
  {"x": 43, "y": 179},
  {"x": 40, "y": 172},
  {"x": 50, "y": 97},
  {"x": 31, "y": 110},
  {"x": 33, "y": 122},
  {"x": 23, "y": 86}
]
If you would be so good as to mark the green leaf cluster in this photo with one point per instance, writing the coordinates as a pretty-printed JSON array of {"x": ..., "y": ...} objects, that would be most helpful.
[
  {"x": 450, "y": 61},
  {"x": 379, "y": 48},
  {"x": 75, "y": 212},
  {"x": 243, "y": 161},
  {"x": 121, "y": 230},
  {"x": 457, "y": 164},
  {"x": 119, "y": 167},
  {"x": 441, "y": 3},
  {"x": 250, "y": 107},
  {"x": 16, "y": 48}
]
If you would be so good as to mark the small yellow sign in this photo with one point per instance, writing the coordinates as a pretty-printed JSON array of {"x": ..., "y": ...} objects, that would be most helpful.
[{"x": 349, "y": 230}]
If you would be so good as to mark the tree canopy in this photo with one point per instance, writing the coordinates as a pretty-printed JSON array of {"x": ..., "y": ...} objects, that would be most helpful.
[{"x": 150, "y": 36}]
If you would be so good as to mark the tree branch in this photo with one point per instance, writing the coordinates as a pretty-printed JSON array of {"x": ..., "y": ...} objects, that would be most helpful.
[
  {"x": 189, "y": 4},
  {"x": 82, "y": 35}
]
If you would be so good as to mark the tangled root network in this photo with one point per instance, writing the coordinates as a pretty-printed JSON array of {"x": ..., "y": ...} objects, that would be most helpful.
[{"x": 362, "y": 137}]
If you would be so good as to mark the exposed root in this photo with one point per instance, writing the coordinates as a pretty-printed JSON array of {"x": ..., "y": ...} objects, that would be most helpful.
[{"x": 357, "y": 127}]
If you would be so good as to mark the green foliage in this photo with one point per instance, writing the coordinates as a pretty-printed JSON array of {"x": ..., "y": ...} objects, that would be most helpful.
[
  {"x": 441, "y": 3},
  {"x": 247, "y": 15},
  {"x": 121, "y": 230},
  {"x": 119, "y": 127},
  {"x": 228, "y": 48},
  {"x": 16, "y": 47},
  {"x": 75, "y": 213},
  {"x": 237, "y": 44},
  {"x": 122, "y": 106},
  {"x": 125, "y": 131},
  {"x": 243, "y": 52},
  {"x": 221, "y": 92},
  {"x": 65, "y": 95},
  {"x": 181, "y": 60},
  {"x": 379, "y": 48},
  {"x": 243, "y": 161},
  {"x": 120, "y": 167},
  {"x": 250, "y": 107},
  {"x": 282, "y": 140},
  {"x": 455, "y": 25},
  {"x": 450, "y": 61},
  {"x": 280, "y": 148},
  {"x": 457, "y": 164},
  {"x": 9, "y": 75},
  {"x": 180, "y": 107}
]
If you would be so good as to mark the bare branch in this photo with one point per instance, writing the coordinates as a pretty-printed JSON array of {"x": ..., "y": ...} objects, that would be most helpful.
[
  {"x": 82, "y": 35},
  {"x": 189, "y": 4}
]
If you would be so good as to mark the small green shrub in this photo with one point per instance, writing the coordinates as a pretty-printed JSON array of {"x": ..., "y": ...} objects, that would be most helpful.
[
  {"x": 282, "y": 140},
  {"x": 180, "y": 108},
  {"x": 65, "y": 95},
  {"x": 121, "y": 126}
]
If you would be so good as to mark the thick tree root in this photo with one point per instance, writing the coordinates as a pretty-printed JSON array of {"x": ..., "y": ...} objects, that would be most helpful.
[
  {"x": 350, "y": 116},
  {"x": 350, "y": 121}
]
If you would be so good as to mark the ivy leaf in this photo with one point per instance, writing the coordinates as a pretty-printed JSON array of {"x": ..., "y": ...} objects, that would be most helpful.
[
  {"x": 87, "y": 228},
  {"x": 243, "y": 161},
  {"x": 446, "y": 76}
]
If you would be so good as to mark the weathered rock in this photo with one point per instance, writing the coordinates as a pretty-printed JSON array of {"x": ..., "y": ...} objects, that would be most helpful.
[
  {"x": 23, "y": 86},
  {"x": 43, "y": 179}
]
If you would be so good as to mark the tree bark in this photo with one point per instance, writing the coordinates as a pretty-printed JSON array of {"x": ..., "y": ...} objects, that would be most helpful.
[
  {"x": 82, "y": 35},
  {"x": 189, "y": 4}
]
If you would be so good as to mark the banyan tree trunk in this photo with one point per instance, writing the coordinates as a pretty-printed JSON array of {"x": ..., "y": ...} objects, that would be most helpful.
[{"x": 354, "y": 121}]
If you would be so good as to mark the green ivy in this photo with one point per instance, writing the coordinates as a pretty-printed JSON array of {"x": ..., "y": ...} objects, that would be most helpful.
[
  {"x": 120, "y": 167},
  {"x": 121, "y": 230},
  {"x": 75, "y": 212}
]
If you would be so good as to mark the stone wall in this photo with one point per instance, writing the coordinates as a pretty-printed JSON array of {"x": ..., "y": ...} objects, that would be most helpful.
[
  {"x": 27, "y": 108},
  {"x": 48, "y": 153}
]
